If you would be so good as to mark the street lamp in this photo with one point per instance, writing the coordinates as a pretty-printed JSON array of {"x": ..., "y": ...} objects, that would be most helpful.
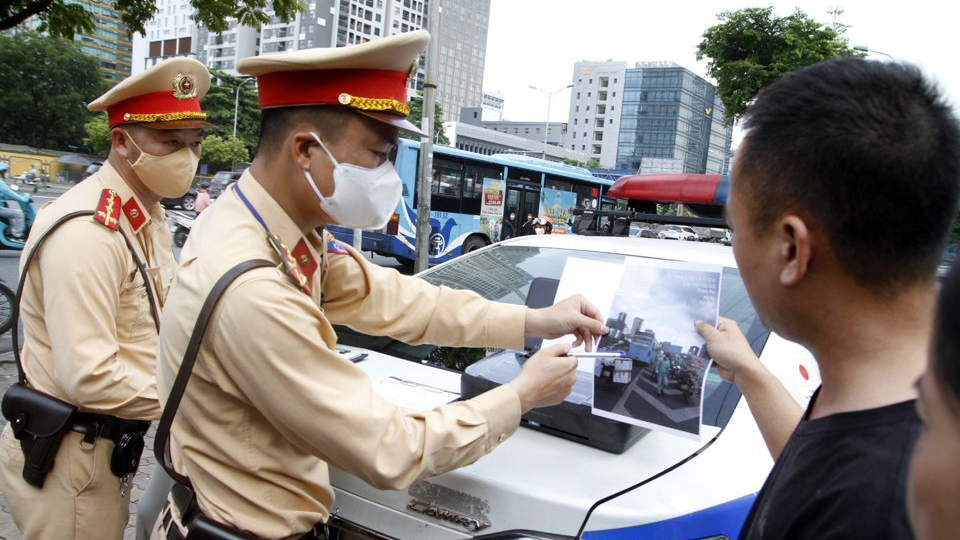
[
  {"x": 864, "y": 48},
  {"x": 236, "y": 103},
  {"x": 546, "y": 124}
]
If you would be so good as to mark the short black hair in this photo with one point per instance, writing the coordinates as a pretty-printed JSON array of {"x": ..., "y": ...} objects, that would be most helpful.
[
  {"x": 946, "y": 335},
  {"x": 276, "y": 123},
  {"x": 871, "y": 151}
]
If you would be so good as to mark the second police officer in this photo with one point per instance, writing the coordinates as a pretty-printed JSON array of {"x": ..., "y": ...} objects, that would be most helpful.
[{"x": 270, "y": 404}]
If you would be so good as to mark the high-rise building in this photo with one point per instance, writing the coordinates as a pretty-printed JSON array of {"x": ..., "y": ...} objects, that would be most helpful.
[
  {"x": 556, "y": 131},
  {"x": 595, "y": 98},
  {"x": 654, "y": 117},
  {"x": 334, "y": 23},
  {"x": 492, "y": 105},
  {"x": 170, "y": 33},
  {"x": 109, "y": 43},
  {"x": 672, "y": 121}
]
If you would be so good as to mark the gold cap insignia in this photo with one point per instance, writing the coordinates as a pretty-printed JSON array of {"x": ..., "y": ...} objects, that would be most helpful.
[{"x": 184, "y": 86}]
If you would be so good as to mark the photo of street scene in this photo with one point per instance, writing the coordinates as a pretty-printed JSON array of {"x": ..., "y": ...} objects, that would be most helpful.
[{"x": 658, "y": 380}]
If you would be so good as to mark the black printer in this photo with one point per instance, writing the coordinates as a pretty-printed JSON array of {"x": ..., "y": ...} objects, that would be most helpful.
[{"x": 572, "y": 419}]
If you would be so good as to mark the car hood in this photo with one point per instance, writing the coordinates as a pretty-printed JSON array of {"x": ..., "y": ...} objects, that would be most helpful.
[{"x": 537, "y": 482}]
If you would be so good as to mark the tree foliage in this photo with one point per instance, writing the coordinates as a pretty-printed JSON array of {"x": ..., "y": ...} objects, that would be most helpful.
[
  {"x": 219, "y": 106},
  {"x": 97, "y": 140},
  {"x": 416, "y": 116},
  {"x": 592, "y": 163},
  {"x": 220, "y": 153},
  {"x": 47, "y": 85},
  {"x": 63, "y": 19},
  {"x": 751, "y": 47}
]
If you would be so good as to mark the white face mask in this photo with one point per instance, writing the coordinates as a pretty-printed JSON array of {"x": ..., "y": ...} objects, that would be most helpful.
[
  {"x": 362, "y": 198},
  {"x": 167, "y": 176}
]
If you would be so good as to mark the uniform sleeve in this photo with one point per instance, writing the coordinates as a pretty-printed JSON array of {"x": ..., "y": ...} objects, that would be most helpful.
[
  {"x": 381, "y": 301},
  {"x": 269, "y": 337},
  {"x": 83, "y": 266}
]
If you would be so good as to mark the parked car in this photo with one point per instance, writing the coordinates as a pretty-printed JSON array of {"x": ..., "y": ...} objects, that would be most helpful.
[
  {"x": 641, "y": 232},
  {"x": 188, "y": 201},
  {"x": 223, "y": 179},
  {"x": 677, "y": 232},
  {"x": 542, "y": 483}
]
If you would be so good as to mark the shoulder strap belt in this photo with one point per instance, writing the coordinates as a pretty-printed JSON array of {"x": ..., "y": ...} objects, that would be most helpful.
[
  {"x": 161, "y": 446},
  {"x": 26, "y": 270}
]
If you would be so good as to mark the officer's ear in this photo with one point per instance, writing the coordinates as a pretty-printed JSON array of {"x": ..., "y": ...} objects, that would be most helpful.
[
  {"x": 121, "y": 144},
  {"x": 301, "y": 142}
]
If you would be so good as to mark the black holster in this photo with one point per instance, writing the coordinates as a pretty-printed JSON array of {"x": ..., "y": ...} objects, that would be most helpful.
[
  {"x": 200, "y": 527},
  {"x": 38, "y": 421}
]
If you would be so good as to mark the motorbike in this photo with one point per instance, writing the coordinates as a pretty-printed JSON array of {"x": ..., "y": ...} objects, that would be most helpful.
[
  {"x": 180, "y": 225},
  {"x": 29, "y": 216}
]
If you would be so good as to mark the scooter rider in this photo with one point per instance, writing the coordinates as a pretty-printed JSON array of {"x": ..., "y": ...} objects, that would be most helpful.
[
  {"x": 96, "y": 270},
  {"x": 15, "y": 216}
]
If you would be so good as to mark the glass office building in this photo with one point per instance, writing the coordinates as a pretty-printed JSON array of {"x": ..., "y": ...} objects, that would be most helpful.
[{"x": 671, "y": 121}]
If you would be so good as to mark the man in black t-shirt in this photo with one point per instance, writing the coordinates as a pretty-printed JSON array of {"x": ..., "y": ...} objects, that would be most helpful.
[{"x": 841, "y": 197}]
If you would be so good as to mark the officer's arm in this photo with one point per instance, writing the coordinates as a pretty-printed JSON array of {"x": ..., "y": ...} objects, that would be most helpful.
[
  {"x": 83, "y": 266},
  {"x": 268, "y": 334},
  {"x": 380, "y": 301}
]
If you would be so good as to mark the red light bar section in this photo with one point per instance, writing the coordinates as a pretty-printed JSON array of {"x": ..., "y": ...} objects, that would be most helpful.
[{"x": 684, "y": 188}]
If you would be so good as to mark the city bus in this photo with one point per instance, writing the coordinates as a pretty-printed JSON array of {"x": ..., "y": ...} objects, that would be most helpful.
[{"x": 473, "y": 194}]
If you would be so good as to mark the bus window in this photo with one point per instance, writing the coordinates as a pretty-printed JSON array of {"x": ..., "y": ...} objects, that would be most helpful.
[
  {"x": 447, "y": 181},
  {"x": 523, "y": 175},
  {"x": 586, "y": 196},
  {"x": 553, "y": 182},
  {"x": 473, "y": 186}
]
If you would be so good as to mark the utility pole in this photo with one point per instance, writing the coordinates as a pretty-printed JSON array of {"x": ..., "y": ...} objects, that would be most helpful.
[
  {"x": 546, "y": 123},
  {"x": 236, "y": 103},
  {"x": 426, "y": 142}
]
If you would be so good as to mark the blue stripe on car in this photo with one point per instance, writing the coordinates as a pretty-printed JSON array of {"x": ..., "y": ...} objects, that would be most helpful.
[{"x": 726, "y": 519}]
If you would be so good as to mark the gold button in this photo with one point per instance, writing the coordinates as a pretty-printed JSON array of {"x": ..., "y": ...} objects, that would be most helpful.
[
  {"x": 502, "y": 437},
  {"x": 134, "y": 213},
  {"x": 126, "y": 117},
  {"x": 304, "y": 260},
  {"x": 344, "y": 98}
]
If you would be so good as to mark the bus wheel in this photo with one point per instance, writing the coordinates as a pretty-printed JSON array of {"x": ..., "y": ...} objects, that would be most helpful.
[{"x": 472, "y": 244}]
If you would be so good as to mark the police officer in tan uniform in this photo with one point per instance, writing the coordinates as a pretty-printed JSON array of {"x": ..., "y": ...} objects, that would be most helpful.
[
  {"x": 270, "y": 405},
  {"x": 88, "y": 308}
]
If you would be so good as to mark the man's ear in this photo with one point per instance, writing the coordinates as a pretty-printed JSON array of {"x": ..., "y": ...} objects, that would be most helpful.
[
  {"x": 300, "y": 144},
  {"x": 120, "y": 143},
  {"x": 795, "y": 249}
]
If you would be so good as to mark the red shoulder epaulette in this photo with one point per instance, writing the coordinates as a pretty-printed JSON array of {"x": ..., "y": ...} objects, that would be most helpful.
[{"x": 108, "y": 210}]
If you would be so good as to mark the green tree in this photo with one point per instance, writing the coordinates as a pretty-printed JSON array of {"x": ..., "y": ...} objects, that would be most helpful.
[
  {"x": 221, "y": 153},
  {"x": 98, "y": 135},
  {"x": 416, "y": 116},
  {"x": 63, "y": 18},
  {"x": 592, "y": 163},
  {"x": 219, "y": 106},
  {"x": 751, "y": 47},
  {"x": 47, "y": 84}
]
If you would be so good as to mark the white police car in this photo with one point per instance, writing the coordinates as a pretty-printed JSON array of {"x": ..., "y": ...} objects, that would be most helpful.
[{"x": 546, "y": 485}]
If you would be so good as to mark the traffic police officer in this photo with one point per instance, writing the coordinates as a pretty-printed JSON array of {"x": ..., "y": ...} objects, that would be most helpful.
[
  {"x": 270, "y": 404},
  {"x": 89, "y": 328}
]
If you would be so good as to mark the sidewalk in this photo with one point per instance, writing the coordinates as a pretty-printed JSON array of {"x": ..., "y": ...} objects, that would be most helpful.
[{"x": 8, "y": 530}]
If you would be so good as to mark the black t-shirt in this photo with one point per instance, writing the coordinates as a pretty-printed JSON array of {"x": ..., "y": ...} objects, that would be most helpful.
[{"x": 843, "y": 476}]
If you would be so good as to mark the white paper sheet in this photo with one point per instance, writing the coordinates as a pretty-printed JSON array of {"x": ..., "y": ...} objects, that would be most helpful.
[
  {"x": 413, "y": 395},
  {"x": 595, "y": 280}
]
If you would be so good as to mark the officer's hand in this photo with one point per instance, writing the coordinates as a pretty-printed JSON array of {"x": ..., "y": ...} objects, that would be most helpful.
[
  {"x": 729, "y": 349},
  {"x": 575, "y": 315},
  {"x": 546, "y": 378}
]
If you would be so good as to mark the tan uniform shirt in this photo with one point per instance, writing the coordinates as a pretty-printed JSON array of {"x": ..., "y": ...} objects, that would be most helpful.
[
  {"x": 89, "y": 337},
  {"x": 270, "y": 404}
]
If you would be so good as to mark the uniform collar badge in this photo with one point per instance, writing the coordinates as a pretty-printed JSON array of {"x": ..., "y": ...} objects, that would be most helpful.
[
  {"x": 135, "y": 215},
  {"x": 288, "y": 264},
  {"x": 108, "y": 209},
  {"x": 333, "y": 246},
  {"x": 301, "y": 253}
]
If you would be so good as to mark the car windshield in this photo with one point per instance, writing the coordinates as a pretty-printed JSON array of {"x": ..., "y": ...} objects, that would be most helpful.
[{"x": 504, "y": 274}]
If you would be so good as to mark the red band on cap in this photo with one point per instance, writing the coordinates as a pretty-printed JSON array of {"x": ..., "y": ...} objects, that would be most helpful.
[
  {"x": 153, "y": 103},
  {"x": 319, "y": 87}
]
